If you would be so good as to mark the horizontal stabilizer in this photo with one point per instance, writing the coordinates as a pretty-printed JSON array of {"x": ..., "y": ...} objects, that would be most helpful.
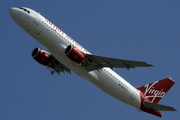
[{"x": 158, "y": 107}]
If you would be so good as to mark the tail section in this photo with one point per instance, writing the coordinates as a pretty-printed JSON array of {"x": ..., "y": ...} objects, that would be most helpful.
[
  {"x": 152, "y": 93},
  {"x": 156, "y": 90}
]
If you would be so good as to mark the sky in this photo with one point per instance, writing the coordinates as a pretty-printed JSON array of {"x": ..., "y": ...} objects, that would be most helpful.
[{"x": 134, "y": 30}]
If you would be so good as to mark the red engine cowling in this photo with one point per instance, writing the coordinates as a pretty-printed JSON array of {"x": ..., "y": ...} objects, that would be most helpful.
[
  {"x": 74, "y": 54},
  {"x": 41, "y": 56}
]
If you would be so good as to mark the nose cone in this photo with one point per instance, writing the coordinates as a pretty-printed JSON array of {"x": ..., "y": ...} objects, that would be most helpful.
[
  {"x": 12, "y": 11},
  {"x": 16, "y": 13}
]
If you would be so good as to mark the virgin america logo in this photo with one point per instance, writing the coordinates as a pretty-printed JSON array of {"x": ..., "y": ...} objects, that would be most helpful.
[{"x": 151, "y": 92}]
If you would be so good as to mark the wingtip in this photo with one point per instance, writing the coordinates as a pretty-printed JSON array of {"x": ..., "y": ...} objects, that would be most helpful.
[
  {"x": 175, "y": 109},
  {"x": 152, "y": 66}
]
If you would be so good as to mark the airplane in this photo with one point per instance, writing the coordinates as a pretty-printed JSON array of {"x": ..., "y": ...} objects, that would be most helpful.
[{"x": 67, "y": 55}]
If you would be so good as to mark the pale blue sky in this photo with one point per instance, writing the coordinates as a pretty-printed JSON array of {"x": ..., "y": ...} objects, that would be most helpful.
[{"x": 136, "y": 30}]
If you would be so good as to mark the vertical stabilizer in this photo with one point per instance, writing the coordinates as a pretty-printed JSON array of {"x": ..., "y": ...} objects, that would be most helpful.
[{"x": 156, "y": 90}]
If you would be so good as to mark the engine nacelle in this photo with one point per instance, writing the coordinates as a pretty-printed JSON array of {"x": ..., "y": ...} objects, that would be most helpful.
[
  {"x": 74, "y": 54},
  {"x": 41, "y": 56}
]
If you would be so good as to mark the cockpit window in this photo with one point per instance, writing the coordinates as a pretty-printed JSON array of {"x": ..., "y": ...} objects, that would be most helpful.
[{"x": 25, "y": 10}]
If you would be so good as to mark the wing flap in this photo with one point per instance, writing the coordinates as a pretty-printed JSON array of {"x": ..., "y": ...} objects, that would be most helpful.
[
  {"x": 57, "y": 66},
  {"x": 100, "y": 62}
]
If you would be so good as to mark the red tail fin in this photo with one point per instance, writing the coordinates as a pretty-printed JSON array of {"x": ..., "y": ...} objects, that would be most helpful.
[{"x": 156, "y": 90}]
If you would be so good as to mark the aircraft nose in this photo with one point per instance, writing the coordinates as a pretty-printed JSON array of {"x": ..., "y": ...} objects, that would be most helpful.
[{"x": 11, "y": 11}]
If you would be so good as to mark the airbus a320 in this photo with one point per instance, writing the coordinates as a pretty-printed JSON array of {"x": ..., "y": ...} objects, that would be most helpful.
[{"x": 67, "y": 55}]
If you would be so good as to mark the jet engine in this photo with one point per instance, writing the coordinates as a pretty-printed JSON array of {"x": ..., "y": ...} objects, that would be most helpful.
[
  {"x": 74, "y": 54},
  {"x": 41, "y": 56},
  {"x": 46, "y": 59}
]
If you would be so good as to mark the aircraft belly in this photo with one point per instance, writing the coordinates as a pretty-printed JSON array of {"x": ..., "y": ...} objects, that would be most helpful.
[{"x": 111, "y": 86}]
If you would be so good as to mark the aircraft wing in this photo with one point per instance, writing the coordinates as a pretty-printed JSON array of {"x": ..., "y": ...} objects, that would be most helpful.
[{"x": 98, "y": 62}]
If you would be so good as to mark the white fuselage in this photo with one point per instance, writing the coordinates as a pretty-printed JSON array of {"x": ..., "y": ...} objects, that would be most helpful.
[{"x": 56, "y": 41}]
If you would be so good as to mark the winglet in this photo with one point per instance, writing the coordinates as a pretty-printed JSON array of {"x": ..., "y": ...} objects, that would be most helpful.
[{"x": 151, "y": 66}]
